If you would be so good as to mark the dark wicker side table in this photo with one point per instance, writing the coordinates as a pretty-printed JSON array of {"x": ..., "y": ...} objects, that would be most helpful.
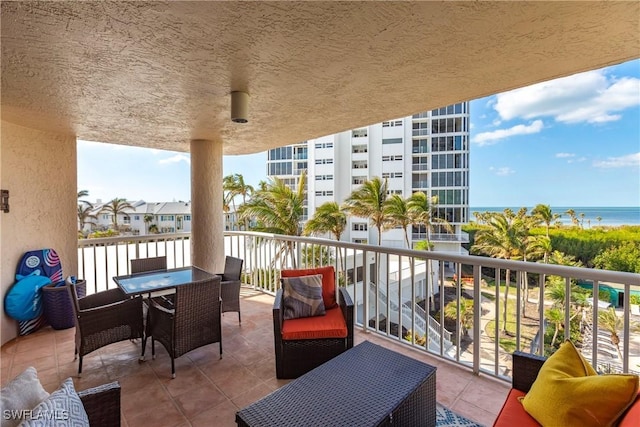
[{"x": 367, "y": 385}]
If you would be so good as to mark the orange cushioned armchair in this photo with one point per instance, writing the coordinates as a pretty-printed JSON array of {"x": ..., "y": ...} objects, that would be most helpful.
[{"x": 305, "y": 343}]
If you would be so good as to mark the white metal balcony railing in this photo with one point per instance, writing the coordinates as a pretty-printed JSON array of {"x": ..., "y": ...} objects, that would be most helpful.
[
  {"x": 461, "y": 237},
  {"x": 414, "y": 277}
]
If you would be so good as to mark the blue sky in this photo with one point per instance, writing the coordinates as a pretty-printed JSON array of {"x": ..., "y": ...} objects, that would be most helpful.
[{"x": 573, "y": 141}]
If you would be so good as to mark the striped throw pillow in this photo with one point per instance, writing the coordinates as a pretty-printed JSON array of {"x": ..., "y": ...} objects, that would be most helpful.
[{"x": 302, "y": 296}]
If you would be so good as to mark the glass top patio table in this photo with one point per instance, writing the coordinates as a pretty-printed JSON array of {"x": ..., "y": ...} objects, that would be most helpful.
[{"x": 141, "y": 283}]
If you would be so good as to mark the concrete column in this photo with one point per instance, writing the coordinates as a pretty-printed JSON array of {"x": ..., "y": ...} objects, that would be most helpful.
[{"x": 207, "y": 226}]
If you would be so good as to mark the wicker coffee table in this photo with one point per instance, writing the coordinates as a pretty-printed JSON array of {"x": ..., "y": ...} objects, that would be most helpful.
[{"x": 367, "y": 385}]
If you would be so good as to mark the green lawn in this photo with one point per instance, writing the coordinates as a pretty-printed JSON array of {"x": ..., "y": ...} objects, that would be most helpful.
[{"x": 508, "y": 341}]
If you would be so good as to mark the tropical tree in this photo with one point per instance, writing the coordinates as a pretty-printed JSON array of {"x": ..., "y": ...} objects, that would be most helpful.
[
  {"x": 234, "y": 185},
  {"x": 582, "y": 220},
  {"x": 599, "y": 219},
  {"x": 555, "y": 316},
  {"x": 226, "y": 205},
  {"x": 623, "y": 257},
  {"x": 116, "y": 207},
  {"x": 545, "y": 215},
  {"x": 397, "y": 214},
  {"x": 277, "y": 209},
  {"x": 502, "y": 238},
  {"x": 368, "y": 201},
  {"x": 83, "y": 193},
  {"x": 609, "y": 320},
  {"x": 85, "y": 216},
  {"x": 572, "y": 216},
  {"x": 328, "y": 218},
  {"x": 422, "y": 210},
  {"x": 148, "y": 219},
  {"x": 316, "y": 255},
  {"x": 465, "y": 307}
]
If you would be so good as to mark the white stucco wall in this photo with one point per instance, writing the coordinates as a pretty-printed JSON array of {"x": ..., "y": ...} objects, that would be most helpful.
[{"x": 39, "y": 170}]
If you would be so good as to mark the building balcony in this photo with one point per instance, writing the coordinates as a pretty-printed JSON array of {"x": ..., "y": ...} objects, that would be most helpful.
[
  {"x": 207, "y": 390},
  {"x": 472, "y": 379},
  {"x": 461, "y": 237}
]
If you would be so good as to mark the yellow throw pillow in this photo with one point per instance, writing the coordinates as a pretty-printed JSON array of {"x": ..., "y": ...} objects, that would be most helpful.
[{"x": 568, "y": 392}]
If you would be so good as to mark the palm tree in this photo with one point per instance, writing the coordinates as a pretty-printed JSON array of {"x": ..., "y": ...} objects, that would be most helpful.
[
  {"x": 227, "y": 199},
  {"x": 466, "y": 313},
  {"x": 148, "y": 219},
  {"x": 582, "y": 220},
  {"x": 84, "y": 193},
  {"x": 599, "y": 219},
  {"x": 555, "y": 316},
  {"x": 115, "y": 207},
  {"x": 277, "y": 209},
  {"x": 368, "y": 201},
  {"x": 397, "y": 215},
  {"x": 572, "y": 215},
  {"x": 85, "y": 215},
  {"x": 234, "y": 185},
  {"x": 545, "y": 215},
  {"x": 501, "y": 239},
  {"x": 422, "y": 208},
  {"x": 328, "y": 218},
  {"x": 609, "y": 320}
]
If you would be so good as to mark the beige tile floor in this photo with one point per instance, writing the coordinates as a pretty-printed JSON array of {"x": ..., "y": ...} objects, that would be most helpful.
[{"x": 208, "y": 390}]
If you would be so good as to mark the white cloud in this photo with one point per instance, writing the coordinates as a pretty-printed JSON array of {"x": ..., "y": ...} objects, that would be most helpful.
[
  {"x": 488, "y": 138},
  {"x": 564, "y": 155},
  {"x": 579, "y": 160},
  {"x": 592, "y": 97},
  {"x": 496, "y": 122},
  {"x": 502, "y": 171},
  {"x": 175, "y": 159},
  {"x": 630, "y": 160}
]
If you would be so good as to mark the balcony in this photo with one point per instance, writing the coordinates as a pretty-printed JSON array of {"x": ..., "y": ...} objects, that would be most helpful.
[
  {"x": 461, "y": 237},
  {"x": 207, "y": 390},
  {"x": 472, "y": 381}
]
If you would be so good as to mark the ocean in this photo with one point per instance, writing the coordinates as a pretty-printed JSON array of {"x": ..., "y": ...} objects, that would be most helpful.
[{"x": 611, "y": 216}]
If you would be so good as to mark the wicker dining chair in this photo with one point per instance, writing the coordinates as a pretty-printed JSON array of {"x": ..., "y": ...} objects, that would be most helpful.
[
  {"x": 104, "y": 318},
  {"x": 189, "y": 321},
  {"x": 141, "y": 265},
  {"x": 230, "y": 286}
]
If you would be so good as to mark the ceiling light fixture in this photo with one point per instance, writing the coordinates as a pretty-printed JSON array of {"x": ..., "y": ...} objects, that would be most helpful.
[{"x": 239, "y": 107}]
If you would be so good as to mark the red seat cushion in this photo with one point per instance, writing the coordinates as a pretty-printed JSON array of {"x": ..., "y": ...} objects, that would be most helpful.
[
  {"x": 631, "y": 418},
  {"x": 513, "y": 413},
  {"x": 331, "y": 325},
  {"x": 328, "y": 282}
]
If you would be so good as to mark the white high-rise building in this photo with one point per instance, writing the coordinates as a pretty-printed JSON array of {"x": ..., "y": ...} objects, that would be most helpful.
[{"x": 426, "y": 152}]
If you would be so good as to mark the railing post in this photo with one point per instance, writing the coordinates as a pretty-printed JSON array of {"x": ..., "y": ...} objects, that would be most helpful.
[
  {"x": 477, "y": 319},
  {"x": 365, "y": 291}
]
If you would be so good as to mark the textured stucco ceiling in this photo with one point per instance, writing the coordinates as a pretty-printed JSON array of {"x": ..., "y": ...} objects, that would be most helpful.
[{"x": 158, "y": 74}]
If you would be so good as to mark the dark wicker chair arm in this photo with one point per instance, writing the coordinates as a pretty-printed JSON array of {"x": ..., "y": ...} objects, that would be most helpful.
[
  {"x": 102, "y": 298},
  {"x": 346, "y": 305},
  {"x": 162, "y": 304},
  {"x": 102, "y": 404},
  {"x": 230, "y": 290},
  {"x": 525, "y": 369},
  {"x": 114, "y": 315},
  {"x": 278, "y": 312}
]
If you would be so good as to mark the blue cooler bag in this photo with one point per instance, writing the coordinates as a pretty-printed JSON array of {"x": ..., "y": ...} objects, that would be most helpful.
[{"x": 23, "y": 302}]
